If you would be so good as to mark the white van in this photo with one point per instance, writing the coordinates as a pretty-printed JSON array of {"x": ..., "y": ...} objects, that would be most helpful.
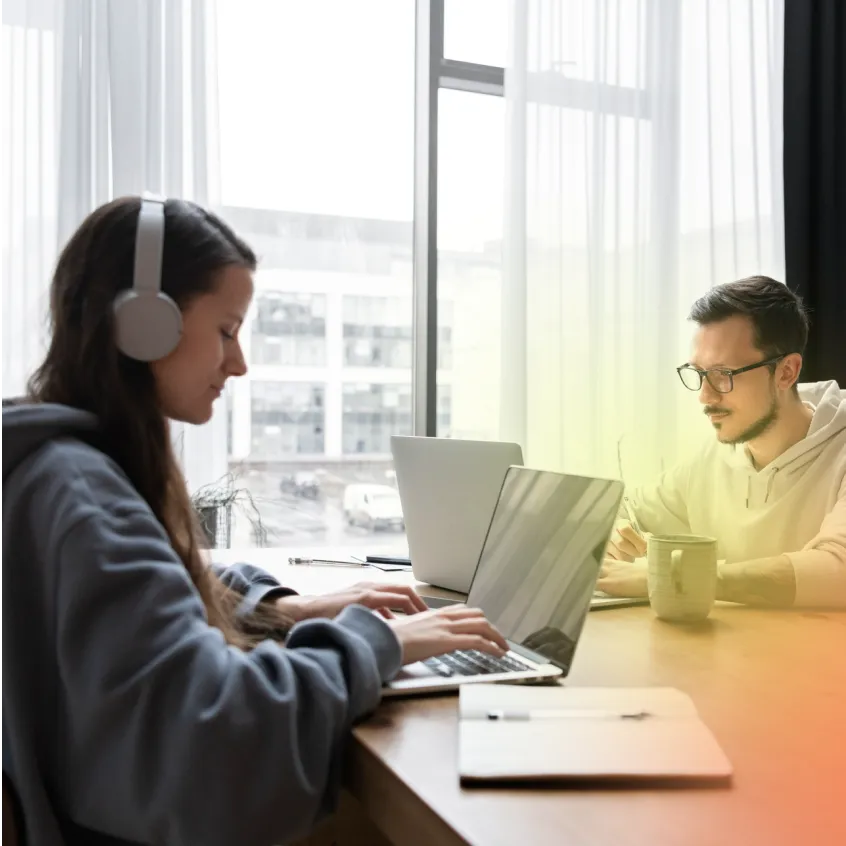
[{"x": 373, "y": 507}]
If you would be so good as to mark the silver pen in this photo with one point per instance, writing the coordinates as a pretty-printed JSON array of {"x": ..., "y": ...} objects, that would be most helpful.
[
  {"x": 555, "y": 714},
  {"x": 299, "y": 561},
  {"x": 632, "y": 517}
]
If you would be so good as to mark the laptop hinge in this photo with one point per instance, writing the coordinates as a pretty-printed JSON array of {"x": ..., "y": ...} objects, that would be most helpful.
[{"x": 528, "y": 654}]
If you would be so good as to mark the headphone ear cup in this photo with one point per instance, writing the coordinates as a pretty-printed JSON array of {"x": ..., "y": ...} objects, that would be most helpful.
[{"x": 148, "y": 325}]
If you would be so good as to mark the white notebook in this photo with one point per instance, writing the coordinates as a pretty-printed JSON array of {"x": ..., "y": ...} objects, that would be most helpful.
[{"x": 519, "y": 733}]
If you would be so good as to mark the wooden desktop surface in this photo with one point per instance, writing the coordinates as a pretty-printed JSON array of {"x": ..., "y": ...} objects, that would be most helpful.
[{"x": 771, "y": 685}]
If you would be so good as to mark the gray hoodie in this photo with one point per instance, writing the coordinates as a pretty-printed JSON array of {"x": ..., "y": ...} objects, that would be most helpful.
[{"x": 126, "y": 717}]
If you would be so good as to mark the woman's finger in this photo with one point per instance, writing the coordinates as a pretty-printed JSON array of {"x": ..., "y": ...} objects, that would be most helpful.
[
  {"x": 406, "y": 590},
  {"x": 471, "y": 641},
  {"x": 479, "y": 626},
  {"x": 377, "y": 599},
  {"x": 458, "y": 612}
]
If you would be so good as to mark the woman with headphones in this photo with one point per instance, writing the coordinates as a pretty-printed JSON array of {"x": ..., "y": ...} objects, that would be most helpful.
[{"x": 144, "y": 700}]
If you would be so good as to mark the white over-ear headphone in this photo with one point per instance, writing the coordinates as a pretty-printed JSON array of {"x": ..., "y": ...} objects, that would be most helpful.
[{"x": 148, "y": 323}]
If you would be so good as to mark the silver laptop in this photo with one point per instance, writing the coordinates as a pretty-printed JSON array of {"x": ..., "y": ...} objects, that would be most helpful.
[
  {"x": 448, "y": 490},
  {"x": 534, "y": 580}
]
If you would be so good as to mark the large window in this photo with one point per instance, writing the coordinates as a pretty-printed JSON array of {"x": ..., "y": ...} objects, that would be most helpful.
[
  {"x": 316, "y": 154},
  {"x": 432, "y": 258},
  {"x": 317, "y": 173}
]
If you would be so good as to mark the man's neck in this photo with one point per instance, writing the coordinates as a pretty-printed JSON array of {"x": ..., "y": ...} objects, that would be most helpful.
[{"x": 792, "y": 426}]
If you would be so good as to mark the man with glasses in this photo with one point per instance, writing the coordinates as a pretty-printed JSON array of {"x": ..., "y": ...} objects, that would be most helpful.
[{"x": 771, "y": 488}]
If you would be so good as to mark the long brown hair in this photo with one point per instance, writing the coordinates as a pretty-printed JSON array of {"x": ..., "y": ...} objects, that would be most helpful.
[{"x": 84, "y": 369}]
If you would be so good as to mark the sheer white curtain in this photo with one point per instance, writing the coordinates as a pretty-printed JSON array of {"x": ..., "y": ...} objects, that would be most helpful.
[
  {"x": 137, "y": 103},
  {"x": 103, "y": 98},
  {"x": 31, "y": 37},
  {"x": 643, "y": 167}
]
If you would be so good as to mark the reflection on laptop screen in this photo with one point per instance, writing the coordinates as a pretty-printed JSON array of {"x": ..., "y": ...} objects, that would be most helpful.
[{"x": 540, "y": 561}]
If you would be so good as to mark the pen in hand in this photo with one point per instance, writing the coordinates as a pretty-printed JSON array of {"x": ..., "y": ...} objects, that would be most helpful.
[{"x": 632, "y": 517}]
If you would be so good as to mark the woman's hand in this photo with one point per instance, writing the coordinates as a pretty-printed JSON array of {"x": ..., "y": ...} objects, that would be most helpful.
[
  {"x": 379, "y": 597},
  {"x": 444, "y": 630}
]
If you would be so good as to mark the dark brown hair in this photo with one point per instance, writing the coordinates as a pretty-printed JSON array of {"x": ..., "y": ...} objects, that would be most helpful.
[
  {"x": 779, "y": 319},
  {"x": 84, "y": 369}
]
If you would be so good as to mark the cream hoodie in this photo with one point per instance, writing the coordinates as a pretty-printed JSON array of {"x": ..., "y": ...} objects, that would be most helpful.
[{"x": 795, "y": 505}]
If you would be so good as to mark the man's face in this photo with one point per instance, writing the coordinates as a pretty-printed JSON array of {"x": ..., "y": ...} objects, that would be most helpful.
[{"x": 752, "y": 406}]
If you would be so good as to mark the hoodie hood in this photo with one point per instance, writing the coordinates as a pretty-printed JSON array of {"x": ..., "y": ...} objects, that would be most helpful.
[
  {"x": 828, "y": 402},
  {"x": 27, "y": 427}
]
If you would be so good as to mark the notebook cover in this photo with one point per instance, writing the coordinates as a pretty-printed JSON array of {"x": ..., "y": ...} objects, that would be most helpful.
[{"x": 580, "y": 734}]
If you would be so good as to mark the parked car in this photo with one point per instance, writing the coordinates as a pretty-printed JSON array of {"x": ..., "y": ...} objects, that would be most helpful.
[
  {"x": 374, "y": 507},
  {"x": 304, "y": 483}
]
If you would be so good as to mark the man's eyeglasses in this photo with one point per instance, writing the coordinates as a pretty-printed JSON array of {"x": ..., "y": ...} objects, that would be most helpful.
[{"x": 719, "y": 378}]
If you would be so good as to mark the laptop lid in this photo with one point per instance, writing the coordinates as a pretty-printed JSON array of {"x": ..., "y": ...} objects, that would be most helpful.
[
  {"x": 448, "y": 489},
  {"x": 541, "y": 558}
]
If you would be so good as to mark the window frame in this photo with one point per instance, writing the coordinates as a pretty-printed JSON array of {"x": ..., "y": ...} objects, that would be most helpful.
[{"x": 433, "y": 71}]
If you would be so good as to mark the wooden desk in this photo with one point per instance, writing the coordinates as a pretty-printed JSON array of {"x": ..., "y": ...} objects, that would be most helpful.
[{"x": 771, "y": 685}]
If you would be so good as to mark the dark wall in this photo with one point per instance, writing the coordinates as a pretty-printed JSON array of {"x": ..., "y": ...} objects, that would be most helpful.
[{"x": 815, "y": 176}]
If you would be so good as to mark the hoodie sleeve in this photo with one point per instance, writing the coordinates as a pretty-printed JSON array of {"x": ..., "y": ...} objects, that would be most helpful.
[
  {"x": 172, "y": 736},
  {"x": 254, "y": 584},
  {"x": 662, "y": 507},
  {"x": 820, "y": 568}
]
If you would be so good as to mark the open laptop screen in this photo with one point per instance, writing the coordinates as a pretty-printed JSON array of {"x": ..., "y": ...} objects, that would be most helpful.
[{"x": 541, "y": 558}]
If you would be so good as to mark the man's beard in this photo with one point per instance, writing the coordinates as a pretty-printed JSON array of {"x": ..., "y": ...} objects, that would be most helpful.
[{"x": 761, "y": 425}]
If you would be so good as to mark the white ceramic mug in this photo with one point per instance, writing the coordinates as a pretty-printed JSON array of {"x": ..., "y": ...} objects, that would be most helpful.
[{"x": 682, "y": 579}]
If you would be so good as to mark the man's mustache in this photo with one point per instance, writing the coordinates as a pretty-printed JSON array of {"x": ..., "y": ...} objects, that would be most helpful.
[{"x": 713, "y": 409}]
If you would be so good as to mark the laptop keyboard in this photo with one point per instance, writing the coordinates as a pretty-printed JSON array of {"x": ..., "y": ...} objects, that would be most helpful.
[{"x": 471, "y": 662}]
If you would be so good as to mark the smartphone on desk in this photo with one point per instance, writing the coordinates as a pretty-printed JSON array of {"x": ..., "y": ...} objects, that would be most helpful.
[{"x": 386, "y": 563}]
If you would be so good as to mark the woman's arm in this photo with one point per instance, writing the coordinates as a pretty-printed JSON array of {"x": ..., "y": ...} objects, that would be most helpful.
[
  {"x": 169, "y": 734},
  {"x": 254, "y": 584}
]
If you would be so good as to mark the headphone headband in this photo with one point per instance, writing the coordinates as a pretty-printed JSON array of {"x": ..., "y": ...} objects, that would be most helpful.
[{"x": 149, "y": 245}]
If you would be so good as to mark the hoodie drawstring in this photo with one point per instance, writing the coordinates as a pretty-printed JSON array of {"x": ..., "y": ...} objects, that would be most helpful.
[
  {"x": 769, "y": 490},
  {"x": 770, "y": 484}
]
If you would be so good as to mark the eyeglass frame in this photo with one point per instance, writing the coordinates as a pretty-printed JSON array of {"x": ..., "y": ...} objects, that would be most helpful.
[{"x": 703, "y": 374}]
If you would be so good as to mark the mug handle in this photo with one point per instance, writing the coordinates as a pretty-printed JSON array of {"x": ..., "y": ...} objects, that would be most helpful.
[{"x": 675, "y": 570}]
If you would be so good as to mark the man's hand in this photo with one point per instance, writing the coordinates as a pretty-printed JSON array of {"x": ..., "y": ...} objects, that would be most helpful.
[
  {"x": 623, "y": 578},
  {"x": 764, "y": 581},
  {"x": 379, "y": 597},
  {"x": 626, "y": 544}
]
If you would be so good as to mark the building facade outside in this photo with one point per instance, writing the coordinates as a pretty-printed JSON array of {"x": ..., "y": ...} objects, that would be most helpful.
[{"x": 329, "y": 343}]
